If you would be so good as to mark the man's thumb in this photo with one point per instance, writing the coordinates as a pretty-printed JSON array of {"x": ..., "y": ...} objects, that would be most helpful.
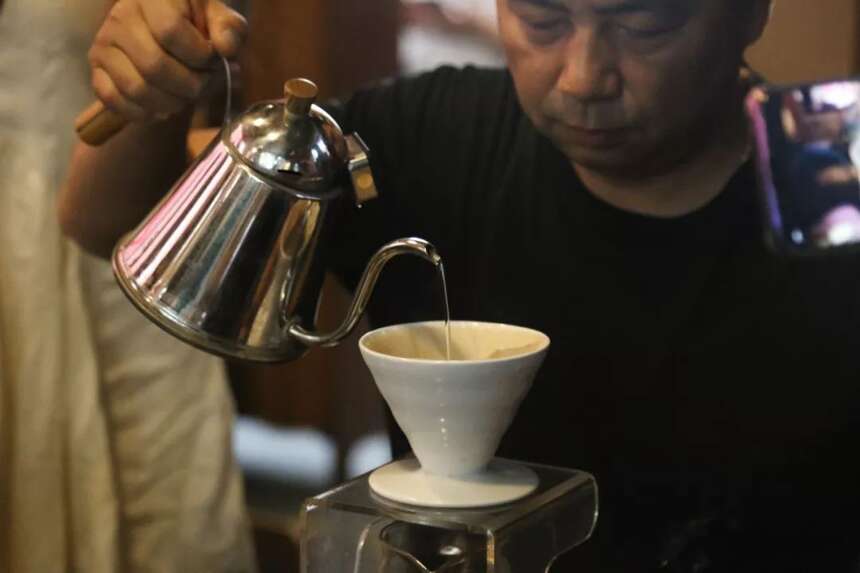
[{"x": 227, "y": 28}]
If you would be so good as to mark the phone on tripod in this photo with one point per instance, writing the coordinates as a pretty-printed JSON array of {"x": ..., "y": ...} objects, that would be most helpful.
[{"x": 807, "y": 152}]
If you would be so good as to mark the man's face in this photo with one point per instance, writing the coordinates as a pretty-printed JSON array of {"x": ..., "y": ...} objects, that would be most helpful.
[{"x": 628, "y": 87}]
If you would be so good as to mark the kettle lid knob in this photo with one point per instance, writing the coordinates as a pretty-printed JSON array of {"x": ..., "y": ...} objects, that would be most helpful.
[{"x": 299, "y": 95}]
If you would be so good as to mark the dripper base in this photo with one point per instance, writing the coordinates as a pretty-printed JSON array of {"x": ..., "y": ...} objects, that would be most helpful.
[{"x": 501, "y": 482}]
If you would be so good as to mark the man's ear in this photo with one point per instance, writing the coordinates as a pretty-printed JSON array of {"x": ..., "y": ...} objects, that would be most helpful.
[{"x": 759, "y": 16}]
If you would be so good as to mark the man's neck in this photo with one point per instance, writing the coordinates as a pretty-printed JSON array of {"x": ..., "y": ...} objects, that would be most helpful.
[{"x": 686, "y": 188}]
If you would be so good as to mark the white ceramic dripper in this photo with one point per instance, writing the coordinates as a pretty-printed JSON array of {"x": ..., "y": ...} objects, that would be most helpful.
[{"x": 454, "y": 412}]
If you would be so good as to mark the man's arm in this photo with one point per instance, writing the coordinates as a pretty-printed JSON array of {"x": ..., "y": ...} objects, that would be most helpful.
[
  {"x": 149, "y": 62},
  {"x": 111, "y": 188}
]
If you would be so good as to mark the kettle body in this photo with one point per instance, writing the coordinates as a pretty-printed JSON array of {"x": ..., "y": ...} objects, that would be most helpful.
[{"x": 227, "y": 261}]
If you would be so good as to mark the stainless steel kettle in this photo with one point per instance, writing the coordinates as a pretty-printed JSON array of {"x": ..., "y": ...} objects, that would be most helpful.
[{"x": 227, "y": 260}]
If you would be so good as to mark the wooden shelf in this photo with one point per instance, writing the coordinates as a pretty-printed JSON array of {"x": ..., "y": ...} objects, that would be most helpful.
[{"x": 809, "y": 40}]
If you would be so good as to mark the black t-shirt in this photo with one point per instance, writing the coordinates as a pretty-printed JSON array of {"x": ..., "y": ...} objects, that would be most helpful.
[{"x": 712, "y": 387}]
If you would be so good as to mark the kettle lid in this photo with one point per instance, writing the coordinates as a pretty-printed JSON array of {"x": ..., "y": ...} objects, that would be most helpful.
[{"x": 291, "y": 141}]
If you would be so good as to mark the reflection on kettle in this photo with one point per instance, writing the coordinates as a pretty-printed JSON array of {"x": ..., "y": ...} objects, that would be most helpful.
[{"x": 227, "y": 260}]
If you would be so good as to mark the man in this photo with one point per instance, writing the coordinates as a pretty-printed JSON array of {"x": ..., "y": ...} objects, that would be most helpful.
[{"x": 599, "y": 192}]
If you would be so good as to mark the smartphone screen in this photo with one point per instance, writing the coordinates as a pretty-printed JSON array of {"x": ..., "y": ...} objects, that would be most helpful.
[{"x": 807, "y": 143}]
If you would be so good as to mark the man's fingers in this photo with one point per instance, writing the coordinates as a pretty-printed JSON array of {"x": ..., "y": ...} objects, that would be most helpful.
[
  {"x": 133, "y": 88},
  {"x": 177, "y": 35},
  {"x": 198, "y": 15},
  {"x": 156, "y": 66},
  {"x": 227, "y": 28},
  {"x": 107, "y": 92}
]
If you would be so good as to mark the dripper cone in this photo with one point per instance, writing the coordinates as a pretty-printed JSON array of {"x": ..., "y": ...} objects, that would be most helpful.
[{"x": 454, "y": 413}]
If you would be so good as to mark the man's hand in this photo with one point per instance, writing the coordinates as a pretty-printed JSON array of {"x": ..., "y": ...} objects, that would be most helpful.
[{"x": 152, "y": 58}]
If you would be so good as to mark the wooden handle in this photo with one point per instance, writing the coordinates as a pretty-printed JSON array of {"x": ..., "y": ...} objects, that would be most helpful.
[{"x": 96, "y": 124}]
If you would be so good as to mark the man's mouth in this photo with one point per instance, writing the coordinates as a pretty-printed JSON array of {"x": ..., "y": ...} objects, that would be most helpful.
[{"x": 596, "y": 137}]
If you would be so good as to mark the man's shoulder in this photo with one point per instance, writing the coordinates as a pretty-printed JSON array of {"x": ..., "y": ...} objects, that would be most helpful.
[
  {"x": 440, "y": 92},
  {"x": 472, "y": 94},
  {"x": 456, "y": 78},
  {"x": 447, "y": 111}
]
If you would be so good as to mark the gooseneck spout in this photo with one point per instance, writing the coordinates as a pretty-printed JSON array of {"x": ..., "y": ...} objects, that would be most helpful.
[{"x": 407, "y": 246}]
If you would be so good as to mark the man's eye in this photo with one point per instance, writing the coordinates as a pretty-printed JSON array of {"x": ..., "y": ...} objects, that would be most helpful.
[
  {"x": 646, "y": 27},
  {"x": 545, "y": 24},
  {"x": 547, "y": 27},
  {"x": 643, "y": 33}
]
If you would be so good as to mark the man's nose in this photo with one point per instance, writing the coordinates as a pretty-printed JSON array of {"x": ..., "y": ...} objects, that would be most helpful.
[{"x": 590, "y": 69}]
